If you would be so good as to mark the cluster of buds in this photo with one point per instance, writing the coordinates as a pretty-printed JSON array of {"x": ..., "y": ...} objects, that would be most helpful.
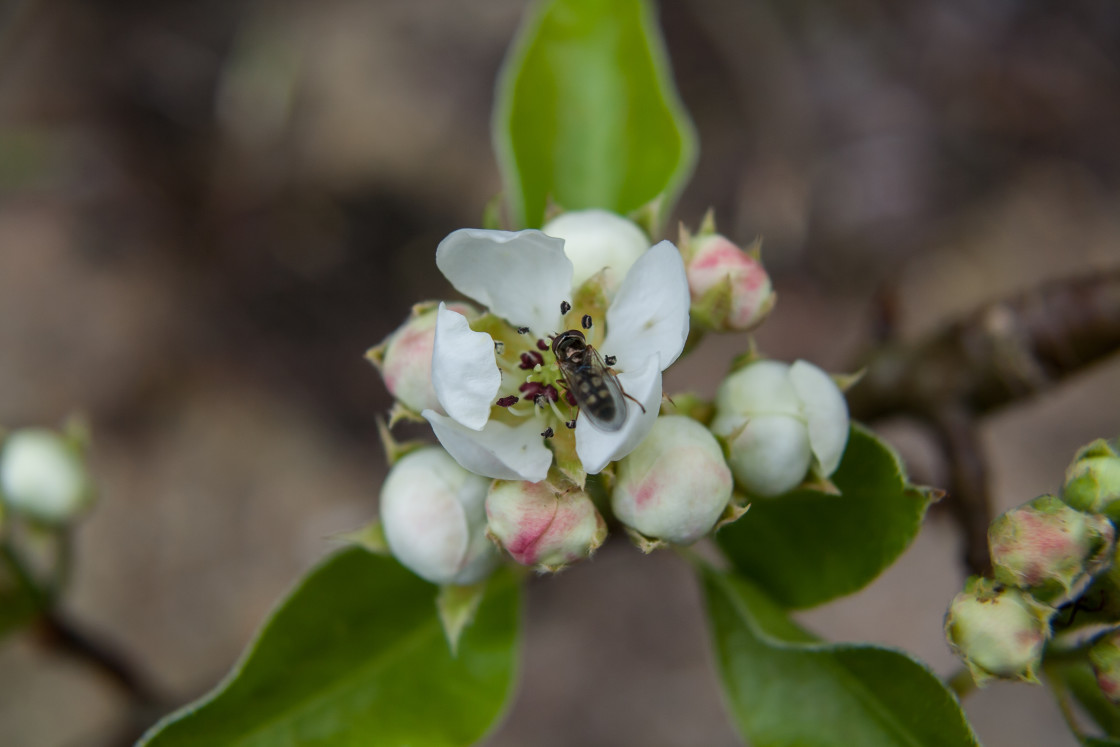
[
  {"x": 1049, "y": 556},
  {"x": 546, "y": 400}
]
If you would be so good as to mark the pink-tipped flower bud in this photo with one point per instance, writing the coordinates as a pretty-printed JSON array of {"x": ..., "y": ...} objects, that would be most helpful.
[
  {"x": 1050, "y": 549},
  {"x": 433, "y": 513},
  {"x": 404, "y": 358},
  {"x": 1104, "y": 656},
  {"x": 675, "y": 485},
  {"x": 998, "y": 631},
  {"x": 731, "y": 290},
  {"x": 595, "y": 240},
  {"x": 778, "y": 420},
  {"x": 543, "y": 526},
  {"x": 43, "y": 475},
  {"x": 1093, "y": 481}
]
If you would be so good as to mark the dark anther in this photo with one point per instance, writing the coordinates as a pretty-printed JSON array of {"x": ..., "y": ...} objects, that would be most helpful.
[
  {"x": 570, "y": 397},
  {"x": 499, "y": 347},
  {"x": 522, "y": 330},
  {"x": 531, "y": 389},
  {"x": 530, "y": 359},
  {"x": 551, "y": 392},
  {"x": 542, "y": 345},
  {"x": 548, "y": 433},
  {"x": 586, "y": 321},
  {"x": 507, "y": 401},
  {"x": 565, "y": 307},
  {"x": 570, "y": 423},
  {"x": 610, "y": 360}
]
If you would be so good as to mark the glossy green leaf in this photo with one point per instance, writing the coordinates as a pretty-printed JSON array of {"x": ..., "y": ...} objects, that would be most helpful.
[
  {"x": 355, "y": 656},
  {"x": 587, "y": 114},
  {"x": 784, "y": 687},
  {"x": 807, "y": 547}
]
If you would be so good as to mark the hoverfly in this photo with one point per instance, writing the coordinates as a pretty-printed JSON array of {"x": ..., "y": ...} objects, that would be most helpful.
[{"x": 595, "y": 389}]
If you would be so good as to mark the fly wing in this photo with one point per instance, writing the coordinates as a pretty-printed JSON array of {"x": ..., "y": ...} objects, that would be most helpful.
[{"x": 598, "y": 393}]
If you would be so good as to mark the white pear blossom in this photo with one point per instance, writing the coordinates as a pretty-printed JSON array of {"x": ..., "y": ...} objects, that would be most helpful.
[
  {"x": 778, "y": 420},
  {"x": 497, "y": 379}
]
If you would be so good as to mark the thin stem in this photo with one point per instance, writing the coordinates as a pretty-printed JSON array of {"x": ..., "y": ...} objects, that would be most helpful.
[
  {"x": 961, "y": 683},
  {"x": 23, "y": 577},
  {"x": 1061, "y": 697},
  {"x": 58, "y": 633}
]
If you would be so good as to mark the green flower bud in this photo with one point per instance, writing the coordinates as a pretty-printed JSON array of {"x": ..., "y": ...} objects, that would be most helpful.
[
  {"x": 43, "y": 476},
  {"x": 1093, "y": 481},
  {"x": 1105, "y": 658},
  {"x": 675, "y": 485},
  {"x": 998, "y": 631},
  {"x": 1049, "y": 548},
  {"x": 542, "y": 526}
]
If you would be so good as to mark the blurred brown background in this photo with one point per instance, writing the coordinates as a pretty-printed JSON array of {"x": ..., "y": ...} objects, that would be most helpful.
[{"x": 211, "y": 209}]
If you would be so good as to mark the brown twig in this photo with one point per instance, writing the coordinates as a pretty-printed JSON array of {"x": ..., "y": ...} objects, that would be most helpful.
[{"x": 1006, "y": 351}]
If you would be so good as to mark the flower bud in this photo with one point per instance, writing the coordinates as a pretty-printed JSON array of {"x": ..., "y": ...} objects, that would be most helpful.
[
  {"x": 731, "y": 291},
  {"x": 43, "y": 476},
  {"x": 405, "y": 357},
  {"x": 1049, "y": 548},
  {"x": 434, "y": 517},
  {"x": 542, "y": 526},
  {"x": 998, "y": 631},
  {"x": 778, "y": 421},
  {"x": 675, "y": 485},
  {"x": 597, "y": 239},
  {"x": 1093, "y": 481},
  {"x": 1104, "y": 656}
]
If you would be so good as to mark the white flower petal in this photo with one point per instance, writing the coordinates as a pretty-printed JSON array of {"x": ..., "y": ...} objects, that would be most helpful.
[
  {"x": 597, "y": 448},
  {"x": 826, "y": 412},
  {"x": 650, "y": 312},
  {"x": 498, "y": 450},
  {"x": 761, "y": 388},
  {"x": 465, "y": 374},
  {"x": 770, "y": 455},
  {"x": 521, "y": 276},
  {"x": 597, "y": 239}
]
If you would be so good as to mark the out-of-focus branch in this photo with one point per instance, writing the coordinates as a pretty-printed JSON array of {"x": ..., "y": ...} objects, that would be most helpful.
[{"x": 1004, "y": 352}]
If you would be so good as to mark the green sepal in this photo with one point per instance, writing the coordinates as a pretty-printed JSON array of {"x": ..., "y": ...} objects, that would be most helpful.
[{"x": 457, "y": 606}]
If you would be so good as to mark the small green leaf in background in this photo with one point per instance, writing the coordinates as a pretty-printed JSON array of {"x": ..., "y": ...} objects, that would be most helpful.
[
  {"x": 587, "y": 114},
  {"x": 356, "y": 657},
  {"x": 785, "y": 688},
  {"x": 807, "y": 547}
]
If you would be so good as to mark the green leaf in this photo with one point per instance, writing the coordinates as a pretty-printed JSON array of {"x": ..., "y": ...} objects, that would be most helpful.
[
  {"x": 784, "y": 687},
  {"x": 355, "y": 656},
  {"x": 807, "y": 547},
  {"x": 587, "y": 114}
]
